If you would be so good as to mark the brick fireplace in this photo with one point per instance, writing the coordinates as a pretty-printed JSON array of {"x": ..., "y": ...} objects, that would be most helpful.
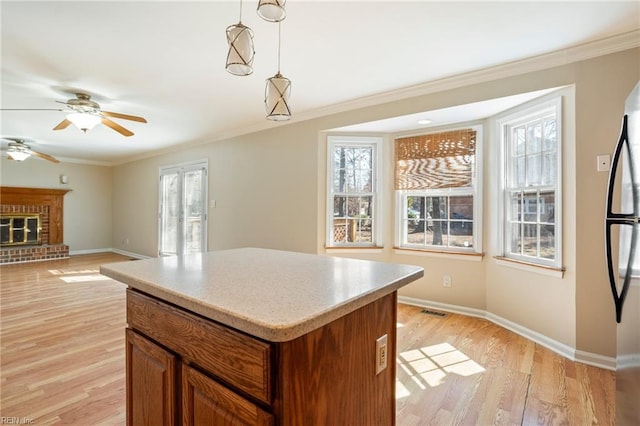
[{"x": 42, "y": 203}]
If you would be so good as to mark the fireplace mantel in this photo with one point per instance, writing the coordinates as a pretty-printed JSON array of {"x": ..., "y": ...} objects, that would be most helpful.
[{"x": 53, "y": 198}]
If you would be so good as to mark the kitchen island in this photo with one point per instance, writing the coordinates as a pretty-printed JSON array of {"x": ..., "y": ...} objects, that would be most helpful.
[{"x": 257, "y": 336}]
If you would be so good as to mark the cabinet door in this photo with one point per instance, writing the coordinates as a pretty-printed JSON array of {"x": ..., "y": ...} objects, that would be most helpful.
[
  {"x": 151, "y": 383},
  {"x": 206, "y": 402}
]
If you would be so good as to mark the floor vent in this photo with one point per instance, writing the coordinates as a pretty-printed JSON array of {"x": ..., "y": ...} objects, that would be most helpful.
[{"x": 434, "y": 313}]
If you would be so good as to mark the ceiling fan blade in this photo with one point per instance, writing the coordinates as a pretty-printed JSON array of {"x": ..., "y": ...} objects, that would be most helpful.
[
  {"x": 124, "y": 116},
  {"x": 31, "y": 109},
  {"x": 44, "y": 156},
  {"x": 115, "y": 126},
  {"x": 62, "y": 125}
]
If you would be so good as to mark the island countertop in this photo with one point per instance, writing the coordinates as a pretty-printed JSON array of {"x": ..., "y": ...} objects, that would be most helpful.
[{"x": 271, "y": 294}]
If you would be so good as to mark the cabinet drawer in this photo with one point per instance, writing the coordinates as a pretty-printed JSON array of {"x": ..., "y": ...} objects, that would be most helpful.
[
  {"x": 238, "y": 359},
  {"x": 206, "y": 402}
]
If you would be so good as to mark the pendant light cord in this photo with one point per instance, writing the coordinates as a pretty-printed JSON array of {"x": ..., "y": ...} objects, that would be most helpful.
[
  {"x": 279, "y": 36},
  {"x": 240, "y": 20}
]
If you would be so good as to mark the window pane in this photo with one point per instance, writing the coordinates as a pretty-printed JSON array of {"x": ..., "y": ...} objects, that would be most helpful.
[
  {"x": 340, "y": 230},
  {"x": 437, "y": 208},
  {"x": 534, "y": 137},
  {"x": 549, "y": 169},
  {"x": 416, "y": 236},
  {"x": 363, "y": 230},
  {"x": 547, "y": 207},
  {"x": 530, "y": 239},
  {"x": 170, "y": 214},
  {"x": 339, "y": 206},
  {"x": 547, "y": 242},
  {"x": 438, "y": 233},
  {"x": 519, "y": 140},
  {"x": 530, "y": 207},
  {"x": 461, "y": 234},
  {"x": 461, "y": 207},
  {"x": 519, "y": 178},
  {"x": 515, "y": 240},
  {"x": 515, "y": 206},
  {"x": 550, "y": 135},
  {"x": 362, "y": 181},
  {"x": 534, "y": 170}
]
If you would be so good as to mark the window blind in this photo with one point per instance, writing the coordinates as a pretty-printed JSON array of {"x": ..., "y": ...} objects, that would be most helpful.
[{"x": 438, "y": 160}]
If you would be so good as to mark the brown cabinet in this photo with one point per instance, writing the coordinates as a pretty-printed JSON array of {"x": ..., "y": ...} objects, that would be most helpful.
[
  {"x": 186, "y": 369},
  {"x": 151, "y": 382}
]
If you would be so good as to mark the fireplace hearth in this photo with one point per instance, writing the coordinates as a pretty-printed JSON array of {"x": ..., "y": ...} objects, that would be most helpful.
[{"x": 31, "y": 222}]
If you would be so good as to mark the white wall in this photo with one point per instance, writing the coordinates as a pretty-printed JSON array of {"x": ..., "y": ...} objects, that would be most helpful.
[{"x": 87, "y": 207}]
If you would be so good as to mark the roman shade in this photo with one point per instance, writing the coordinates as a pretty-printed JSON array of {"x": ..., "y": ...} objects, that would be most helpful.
[{"x": 438, "y": 160}]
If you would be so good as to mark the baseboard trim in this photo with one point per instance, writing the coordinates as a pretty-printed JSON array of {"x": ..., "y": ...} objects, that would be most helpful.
[
  {"x": 130, "y": 254},
  {"x": 108, "y": 250},
  {"x": 596, "y": 360},
  {"x": 89, "y": 251},
  {"x": 628, "y": 361}
]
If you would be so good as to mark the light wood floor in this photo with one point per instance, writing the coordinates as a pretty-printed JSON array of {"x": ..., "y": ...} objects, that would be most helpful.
[{"x": 62, "y": 359}]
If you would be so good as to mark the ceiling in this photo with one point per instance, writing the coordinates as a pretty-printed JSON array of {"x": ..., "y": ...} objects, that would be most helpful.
[{"x": 164, "y": 61}]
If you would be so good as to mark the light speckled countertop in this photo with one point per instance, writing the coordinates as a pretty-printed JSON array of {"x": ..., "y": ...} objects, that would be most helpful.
[{"x": 271, "y": 294}]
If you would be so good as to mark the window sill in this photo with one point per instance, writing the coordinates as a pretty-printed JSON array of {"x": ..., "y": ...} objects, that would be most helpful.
[
  {"x": 531, "y": 267},
  {"x": 353, "y": 249},
  {"x": 443, "y": 254}
]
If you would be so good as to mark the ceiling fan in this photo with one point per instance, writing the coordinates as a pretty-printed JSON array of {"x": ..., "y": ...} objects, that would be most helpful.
[
  {"x": 18, "y": 150},
  {"x": 85, "y": 114}
]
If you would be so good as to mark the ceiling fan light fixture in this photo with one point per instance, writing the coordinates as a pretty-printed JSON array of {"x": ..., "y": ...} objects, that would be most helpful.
[
  {"x": 241, "y": 50},
  {"x": 272, "y": 10},
  {"x": 18, "y": 154},
  {"x": 84, "y": 120}
]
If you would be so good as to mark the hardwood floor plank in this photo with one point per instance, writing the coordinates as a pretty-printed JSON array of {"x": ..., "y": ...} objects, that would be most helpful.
[{"x": 62, "y": 359}]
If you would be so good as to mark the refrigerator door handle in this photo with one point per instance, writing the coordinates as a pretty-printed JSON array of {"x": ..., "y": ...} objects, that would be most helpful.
[{"x": 621, "y": 219}]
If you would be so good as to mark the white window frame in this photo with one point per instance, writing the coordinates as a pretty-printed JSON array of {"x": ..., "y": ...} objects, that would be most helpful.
[
  {"x": 533, "y": 110},
  {"x": 475, "y": 191},
  {"x": 376, "y": 220}
]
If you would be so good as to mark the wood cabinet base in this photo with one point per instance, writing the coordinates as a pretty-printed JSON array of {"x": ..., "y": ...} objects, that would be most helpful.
[{"x": 325, "y": 377}]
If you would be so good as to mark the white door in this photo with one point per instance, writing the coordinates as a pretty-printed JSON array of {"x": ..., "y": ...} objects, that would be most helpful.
[{"x": 182, "y": 210}]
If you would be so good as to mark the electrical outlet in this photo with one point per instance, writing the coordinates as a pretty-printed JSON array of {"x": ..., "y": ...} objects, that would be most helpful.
[
  {"x": 604, "y": 163},
  {"x": 381, "y": 354},
  {"x": 446, "y": 281}
]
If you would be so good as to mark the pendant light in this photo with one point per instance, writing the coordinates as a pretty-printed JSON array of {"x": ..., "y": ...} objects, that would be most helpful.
[
  {"x": 277, "y": 92},
  {"x": 272, "y": 10},
  {"x": 241, "y": 51}
]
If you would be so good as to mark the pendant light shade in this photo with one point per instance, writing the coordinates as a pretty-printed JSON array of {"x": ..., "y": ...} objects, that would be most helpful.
[
  {"x": 276, "y": 98},
  {"x": 241, "y": 51},
  {"x": 84, "y": 120},
  {"x": 272, "y": 10}
]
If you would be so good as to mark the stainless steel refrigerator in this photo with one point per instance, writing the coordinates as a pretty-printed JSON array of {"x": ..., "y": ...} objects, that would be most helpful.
[{"x": 622, "y": 232}]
